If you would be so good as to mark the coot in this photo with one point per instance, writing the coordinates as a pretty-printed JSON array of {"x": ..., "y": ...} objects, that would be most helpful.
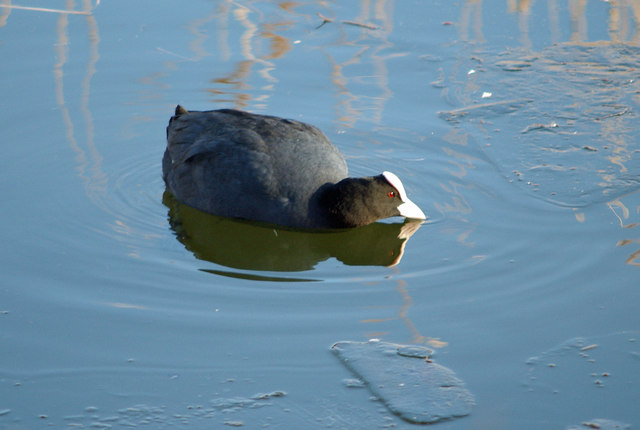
[{"x": 280, "y": 171}]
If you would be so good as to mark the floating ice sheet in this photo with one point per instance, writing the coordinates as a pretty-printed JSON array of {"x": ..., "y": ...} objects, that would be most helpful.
[
  {"x": 409, "y": 384},
  {"x": 562, "y": 122},
  {"x": 601, "y": 424}
]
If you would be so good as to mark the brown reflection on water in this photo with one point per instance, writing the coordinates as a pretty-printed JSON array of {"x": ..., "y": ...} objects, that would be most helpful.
[
  {"x": 577, "y": 10},
  {"x": 623, "y": 18},
  {"x": 370, "y": 41},
  {"x": 403, "y": 315},
  {"x": 625, "y": 216},
  {"x": 471, "y": 21},
  {"x": 6, "y": 10},
  {"x": 623, "y": 21},
  {"x": 263, "y": 41},
  {"x": 234, "y": 87},
  {"x": 87, "y": 156},
  {"x": 197, "y": 28}
]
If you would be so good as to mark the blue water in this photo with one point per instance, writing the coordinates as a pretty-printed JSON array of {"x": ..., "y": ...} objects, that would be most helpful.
[{"x": 513, "y": 126}]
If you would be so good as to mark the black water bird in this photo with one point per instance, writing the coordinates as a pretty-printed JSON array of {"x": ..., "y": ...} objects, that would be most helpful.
[{"x": 237, "y": 164}]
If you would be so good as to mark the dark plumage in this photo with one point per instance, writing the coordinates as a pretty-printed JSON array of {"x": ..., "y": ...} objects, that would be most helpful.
[{"x": 237, "y": 164}]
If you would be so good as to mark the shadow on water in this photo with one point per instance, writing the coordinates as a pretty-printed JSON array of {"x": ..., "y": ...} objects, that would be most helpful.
[{"x": 254, "y": 246}]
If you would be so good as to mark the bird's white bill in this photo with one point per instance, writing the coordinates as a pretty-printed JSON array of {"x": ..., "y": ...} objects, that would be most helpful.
[{"x": 408, "y": 209}]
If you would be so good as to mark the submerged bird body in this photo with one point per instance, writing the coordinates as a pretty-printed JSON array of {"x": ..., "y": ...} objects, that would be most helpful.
[{"x": 237, "y": 164}]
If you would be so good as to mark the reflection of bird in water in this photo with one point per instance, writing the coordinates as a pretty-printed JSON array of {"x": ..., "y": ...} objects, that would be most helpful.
[
  {"x": 262, "y": 168},
  {"x": 254, "y": 246}
]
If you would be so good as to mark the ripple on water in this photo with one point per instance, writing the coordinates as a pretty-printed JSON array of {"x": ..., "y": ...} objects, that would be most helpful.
[
  {"x": 100, "y": 238},
  {"x": 133, "y": 198}
]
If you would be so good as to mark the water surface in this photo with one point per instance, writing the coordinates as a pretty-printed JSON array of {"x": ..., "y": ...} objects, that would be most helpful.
[{"x": 513, "y": 126}]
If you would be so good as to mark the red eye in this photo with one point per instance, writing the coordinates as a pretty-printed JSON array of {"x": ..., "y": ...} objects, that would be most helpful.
[{"x": 391, "y": 194}]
